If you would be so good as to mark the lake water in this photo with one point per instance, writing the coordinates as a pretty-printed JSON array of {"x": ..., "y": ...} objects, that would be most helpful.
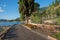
[{"x": 8, "y": 23}]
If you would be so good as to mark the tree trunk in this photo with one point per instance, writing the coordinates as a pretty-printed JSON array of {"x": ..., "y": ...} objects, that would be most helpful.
[
  {"x": 48, "y": 17},
  {"x": 28, "y": 20}
]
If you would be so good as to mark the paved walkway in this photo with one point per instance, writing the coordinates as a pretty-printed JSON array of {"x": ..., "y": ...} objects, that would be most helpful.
[{"x": 21, "y": 33}]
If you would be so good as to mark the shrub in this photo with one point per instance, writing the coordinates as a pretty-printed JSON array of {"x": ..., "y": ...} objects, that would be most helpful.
[
  {"x": 31, "y": 26},
  {"x": 58, "y": 36}
]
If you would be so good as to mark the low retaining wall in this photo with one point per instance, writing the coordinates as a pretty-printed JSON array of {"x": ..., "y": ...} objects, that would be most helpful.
[{"x": 6, "y": 29}]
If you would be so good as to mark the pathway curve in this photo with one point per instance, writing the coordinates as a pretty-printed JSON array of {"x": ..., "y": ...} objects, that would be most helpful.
[{"x": 21, "y": 33}]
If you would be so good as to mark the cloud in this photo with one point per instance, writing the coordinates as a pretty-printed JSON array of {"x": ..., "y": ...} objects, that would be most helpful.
[
  {"x": 1, "y": 10},
  {"x": 0, "y": 7},
  {"x": 4, "y": 5}
]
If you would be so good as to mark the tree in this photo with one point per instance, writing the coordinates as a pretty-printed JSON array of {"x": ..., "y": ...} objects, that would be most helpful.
[
  {"x": 56, "y": 2},
  {"x": 26, "y": 7},
  {"x": 21, "y": 10},
  {"x": 36, "y": 6},
  {"x": 53, "y": 4},
  {"x": 58, "y": 12},
  {"x": 36, "y": 15},
  {"x": 22, "y": 17}
]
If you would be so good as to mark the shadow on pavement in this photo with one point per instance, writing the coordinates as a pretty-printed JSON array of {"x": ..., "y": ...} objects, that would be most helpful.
[{"x": 10, "y": 34}]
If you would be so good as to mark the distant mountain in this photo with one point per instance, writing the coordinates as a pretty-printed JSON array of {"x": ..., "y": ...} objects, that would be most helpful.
[
  {"x": 17, "y": 19},
  {"x": 2, "y": 20},
  {"x": 44, "y": 8},
  {"x": 59, "y": 2}
]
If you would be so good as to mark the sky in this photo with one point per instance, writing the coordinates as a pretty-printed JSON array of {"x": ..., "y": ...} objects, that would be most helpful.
[{"x": 9, "y": 8}]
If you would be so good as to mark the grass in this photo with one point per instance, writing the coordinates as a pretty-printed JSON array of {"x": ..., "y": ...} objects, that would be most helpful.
[
  {"x": 57, "y": 36},
  {"x": 58, "y": 20}
]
